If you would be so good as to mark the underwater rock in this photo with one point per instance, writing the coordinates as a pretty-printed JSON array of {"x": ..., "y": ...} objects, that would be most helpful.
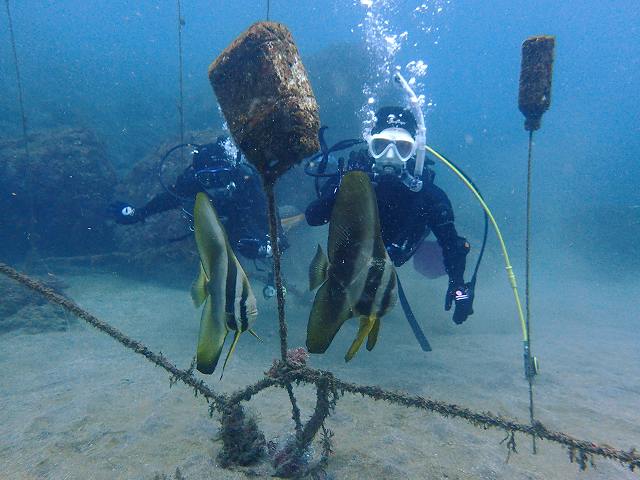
[
  {"x": 26, "y": 311},
  {"x": 162, "y": 244},
  {"x": 59, "y": 197}
]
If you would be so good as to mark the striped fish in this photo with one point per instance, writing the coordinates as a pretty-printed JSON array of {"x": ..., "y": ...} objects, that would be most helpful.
[
  {"x": 223, "y": 287},
  {"x": 358, "y": 278}
]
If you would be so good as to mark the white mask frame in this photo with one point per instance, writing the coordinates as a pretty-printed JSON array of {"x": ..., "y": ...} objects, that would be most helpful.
[{"x": 392, "y": 144}]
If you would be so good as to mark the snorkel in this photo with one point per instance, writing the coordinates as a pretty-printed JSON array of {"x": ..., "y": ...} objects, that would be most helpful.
[{"x": 413, "y": 181}]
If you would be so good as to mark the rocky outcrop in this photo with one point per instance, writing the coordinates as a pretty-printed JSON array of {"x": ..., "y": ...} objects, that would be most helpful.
[
  {"x": 26, "y": 311},
  {"x": 56, "y": 200}
]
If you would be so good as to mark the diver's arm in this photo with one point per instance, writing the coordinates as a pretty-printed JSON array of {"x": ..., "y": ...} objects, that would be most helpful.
[
  {"x": 440, "y": 219},
  {"x": 185, "y": 186},
  {"x": 454, "y": 251},
  {"x": 401, "y": 245},
  {"x": 319, "y": 211}
]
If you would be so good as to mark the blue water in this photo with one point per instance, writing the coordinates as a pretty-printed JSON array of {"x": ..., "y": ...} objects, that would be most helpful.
[{"x": 112, "y": 67}]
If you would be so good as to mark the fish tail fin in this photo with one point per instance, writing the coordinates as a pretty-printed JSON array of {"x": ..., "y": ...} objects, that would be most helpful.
[
  {"x": 330, "y": 310},
  {"x": 213, "y": 333},
  {"x": 318, "y": 269},
  {"x": 199, "y": 288},
  {"x": 231, "y": 350},
  {"x": 373, "y": 334},
  {"x": 366, "y": 325}
]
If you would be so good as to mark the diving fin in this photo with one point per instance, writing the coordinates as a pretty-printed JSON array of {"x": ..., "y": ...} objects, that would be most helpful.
[{"x": 318, "y": 269}]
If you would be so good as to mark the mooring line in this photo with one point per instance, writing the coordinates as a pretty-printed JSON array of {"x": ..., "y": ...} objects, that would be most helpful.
[
  {"x": 284, "y": 375},
  {"x": 160, "y": 360}
]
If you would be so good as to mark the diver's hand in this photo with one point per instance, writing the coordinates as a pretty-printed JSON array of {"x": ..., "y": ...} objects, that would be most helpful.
[
  {"x": 124, "y": 214},
  {"x": 463, "y": 296},
  {"x": 265, "y": 250},
  {"x": 254, "y": 248},
  {"x": 399, "y": 254}
]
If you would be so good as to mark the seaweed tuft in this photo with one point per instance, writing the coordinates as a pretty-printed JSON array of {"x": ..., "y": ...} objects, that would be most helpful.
[{"x": 242, "y": 441}]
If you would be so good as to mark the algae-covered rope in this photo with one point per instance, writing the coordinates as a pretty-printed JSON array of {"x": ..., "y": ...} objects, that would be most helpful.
[
  {"x": 268, "y": 186},
  {"x": 158, "y": 359},
  {"x": 530, "y": 372},
  {"x": 485, "y": 420},
  {"x": 285, "y": 375}
]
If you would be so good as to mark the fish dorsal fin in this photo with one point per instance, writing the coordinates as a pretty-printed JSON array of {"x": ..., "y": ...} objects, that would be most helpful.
[
  {"x": 199, "y": 288},
  {"x": 318, "y": 269},
  {"x": 231, "y": 350}
]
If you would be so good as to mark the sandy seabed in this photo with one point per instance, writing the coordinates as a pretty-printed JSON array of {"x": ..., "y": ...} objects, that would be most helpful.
[{"x": 76, "y": 404}]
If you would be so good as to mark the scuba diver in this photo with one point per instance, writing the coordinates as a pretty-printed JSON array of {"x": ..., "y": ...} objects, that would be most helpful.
[
  {"x": 410, "y": 204},
  {"x": 235, "y": 190}
]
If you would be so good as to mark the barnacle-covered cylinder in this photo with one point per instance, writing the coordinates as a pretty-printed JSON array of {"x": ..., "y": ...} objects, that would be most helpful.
[
  {"x": 535, "y": 79},
  {"x": 266, "y": 98}
]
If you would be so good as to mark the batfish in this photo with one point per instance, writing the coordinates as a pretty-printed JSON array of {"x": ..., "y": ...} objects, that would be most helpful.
[
  {"x": 358, "y": 278},
  {"x": 223, "y": 287}
]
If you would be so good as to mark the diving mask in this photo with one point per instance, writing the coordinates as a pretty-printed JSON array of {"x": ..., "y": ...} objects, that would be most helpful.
[
  {"x": 392, "y": 142},
  {"x": 216, "y": 177}
]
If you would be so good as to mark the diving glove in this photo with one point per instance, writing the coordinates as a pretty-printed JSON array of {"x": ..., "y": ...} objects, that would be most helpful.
[
  {"x": 124, "y": 214},
  {"x": 463, "y": 297}
]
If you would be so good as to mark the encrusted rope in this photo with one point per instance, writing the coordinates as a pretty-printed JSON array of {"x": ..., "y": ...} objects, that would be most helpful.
[
  {"x": 160, "y": 360},
  {"x": 530, "y": 373},
  {"x": 284, "y": 375}
]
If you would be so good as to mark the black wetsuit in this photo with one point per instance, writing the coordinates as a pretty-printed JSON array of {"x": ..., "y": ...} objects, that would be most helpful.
[
  {"x": 406, "y": 217},
  {"x": 241, "y": 208}
]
